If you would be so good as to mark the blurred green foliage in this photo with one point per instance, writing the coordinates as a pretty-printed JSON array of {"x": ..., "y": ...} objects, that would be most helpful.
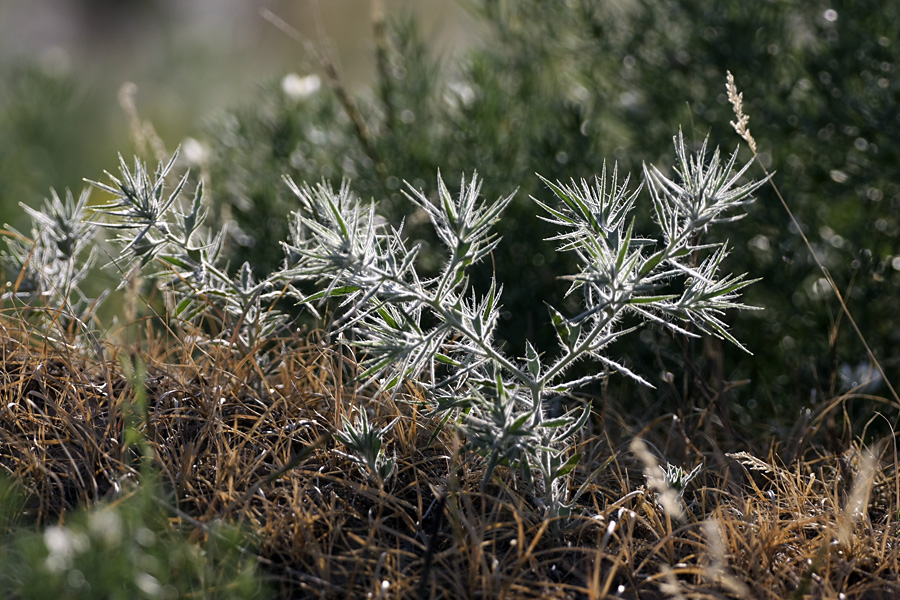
[
  {"x": 122, "y": 549},
  {"x": 557, "y": 87},
  {"x": 44, "y": 108}
]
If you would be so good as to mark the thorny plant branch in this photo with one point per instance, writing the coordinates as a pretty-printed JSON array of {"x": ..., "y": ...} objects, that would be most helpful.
[
  {"x": 439, "y": 332},
  {"x": 340, "y": 243}
]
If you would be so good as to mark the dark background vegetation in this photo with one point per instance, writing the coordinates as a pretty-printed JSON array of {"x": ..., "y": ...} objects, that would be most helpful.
[{"x": 549, "y": 87}]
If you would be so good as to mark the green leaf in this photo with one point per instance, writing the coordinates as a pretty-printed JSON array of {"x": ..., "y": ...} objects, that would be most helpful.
[
  {"x": 559, "y": 215},
  {"x": 574, "y": 333},
  {"x": 388, "y": 317},
  {"x": 444, "y": 359},
  {"x": 498, "y": 382},
  {"x": 561, "y": 324},
  {"x": 409, "y": 259},
  {"x": 489, "y": 471},
  {"x": 182, "y": 306},
  {"x": 579, "y": 422},
  {"x": 575, "y": 203},
  {"x": 489, "y": 303},
  {"x": 458, "y": 277},
  {"x": 175, "y": 261},
  {"x": 724, "y": 333},
  {"x": 338, "y": 291},
  {"x": 193, "y": 219},
  {"x": 447, "y": 202},
  {"x": 651, "y": 262},
  {"x": 375, "y": 369},
  {"x": 733, "y": 287},
  {"x": 626, "y": 244},
  {"x": 534, "y": 361},
  {"x": 440, "y": 426},
  {"x": 554, "y": 423},
  {"x": 570, "y": 464},
  {"x": 650, "y": 299},
  {"x": 520, "y": 422}
]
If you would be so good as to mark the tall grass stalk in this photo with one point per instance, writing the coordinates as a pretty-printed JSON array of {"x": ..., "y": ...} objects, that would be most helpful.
[{"x": 741, "y": 126}]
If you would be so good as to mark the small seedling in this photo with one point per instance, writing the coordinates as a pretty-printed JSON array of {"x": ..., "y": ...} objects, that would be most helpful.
[{"x": 366, "y": 445}]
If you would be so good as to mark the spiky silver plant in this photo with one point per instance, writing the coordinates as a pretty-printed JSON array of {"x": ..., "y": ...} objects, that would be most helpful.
[
  {"x": 439, "y": 332},
  {"x": 47, "y": 269}
]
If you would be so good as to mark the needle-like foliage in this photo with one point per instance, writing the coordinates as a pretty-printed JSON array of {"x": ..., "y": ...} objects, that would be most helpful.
[
  {"x": 438, "y": 332},
  {"x": 163, "y": 236},
  {"x": 366, "y": 445},
  {"x": 47, "y": 269}
]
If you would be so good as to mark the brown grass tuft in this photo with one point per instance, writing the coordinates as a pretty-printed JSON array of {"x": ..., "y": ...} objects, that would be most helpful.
[{"x": 246, "y": 442}]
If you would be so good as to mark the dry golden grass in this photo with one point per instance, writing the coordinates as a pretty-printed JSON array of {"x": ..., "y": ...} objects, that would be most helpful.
[{"x": 248, "y": 443}]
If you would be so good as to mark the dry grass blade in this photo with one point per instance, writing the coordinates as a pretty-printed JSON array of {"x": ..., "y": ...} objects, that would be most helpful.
[{"x": 240, "y": 442}]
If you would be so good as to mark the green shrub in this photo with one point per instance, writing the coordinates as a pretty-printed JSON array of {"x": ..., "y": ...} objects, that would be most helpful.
[
  {"x": 556, "y": 88},
  {"x": 125, "y": 549}
]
